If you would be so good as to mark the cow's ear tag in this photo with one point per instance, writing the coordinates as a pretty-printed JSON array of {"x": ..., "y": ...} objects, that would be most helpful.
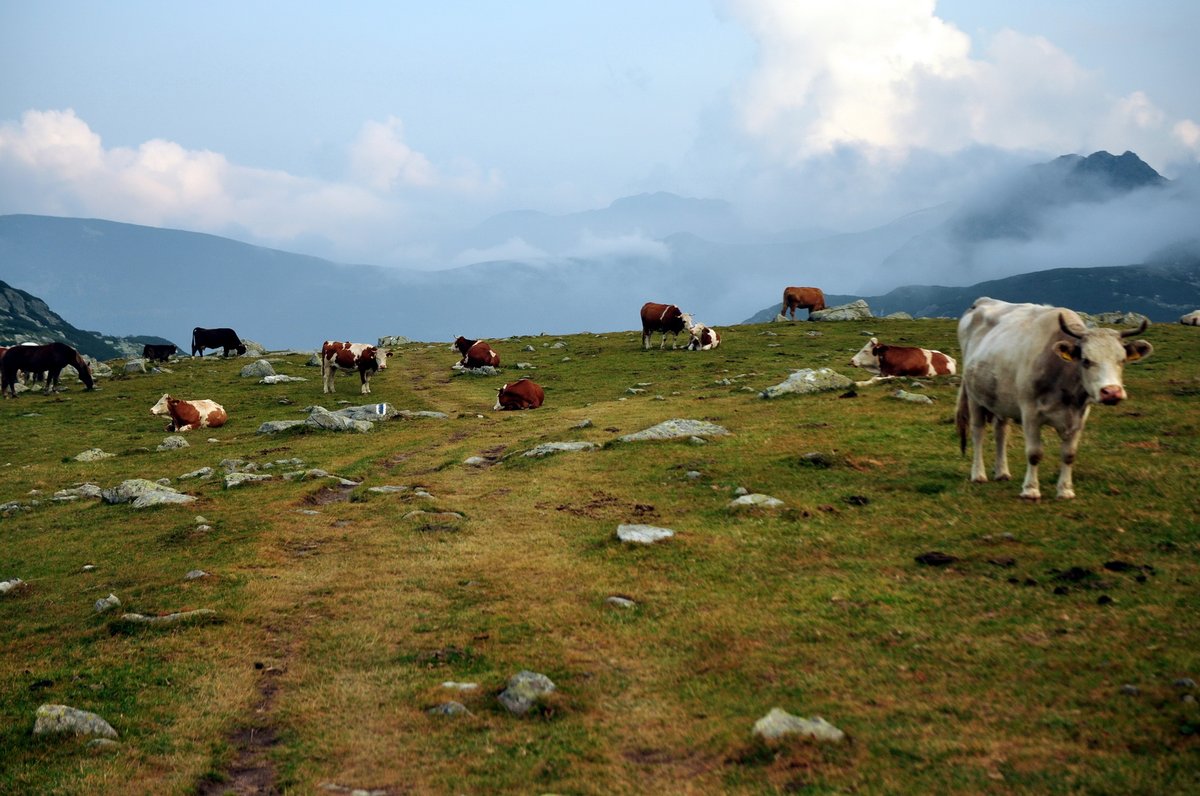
[{"x": 1065, "y": 350}]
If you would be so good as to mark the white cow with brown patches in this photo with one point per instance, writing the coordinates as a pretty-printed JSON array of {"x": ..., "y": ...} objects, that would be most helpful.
[
  {"x": 362, "y": 357},
  {"x": 187, "y": 415},
  {"x": 703, "y": 338}
]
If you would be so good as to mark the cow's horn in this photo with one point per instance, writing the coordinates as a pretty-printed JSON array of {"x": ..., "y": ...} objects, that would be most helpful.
[
  {"x": 1137, "y": 331},
  {"x": 1062, "y": 324}
]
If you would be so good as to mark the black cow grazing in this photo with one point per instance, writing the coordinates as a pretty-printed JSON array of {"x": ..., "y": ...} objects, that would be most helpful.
[
  {"x": 663, "y": 318},
  {"x": 158, "y": 352},
  {"x": 51, "y": 358},
  {"x": 225, "y": 338}
]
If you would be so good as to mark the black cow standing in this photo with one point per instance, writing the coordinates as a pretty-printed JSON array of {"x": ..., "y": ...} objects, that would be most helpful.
[
  {"x": 216, "y": 338},
  {"x": 158, "y": 352}
]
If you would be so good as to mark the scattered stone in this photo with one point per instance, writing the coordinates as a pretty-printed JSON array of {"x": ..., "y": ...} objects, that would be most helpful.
[
  {"x": 935, "y": 558},
  {"x": 674, "y": 429},
  {"x": 524, "y": 689},
  {"x": 528, "y": 348},
  {"x": 433, "y": 516},
  {"x": 203, "y": 472},
  {"x": 195, "y": 574},
  {"x": 642, "y": 534},
  {"x": 238, "y": 479},
  {"x": 620, "y": 602},
  {"x": 456, "y": 686},
  {"x": 754, "y": 501},
  {"x": 279, "y": 378},
  {"x": 408, "y": 414},
  {"x": 697, "y": 441},
  {"x": 912, "y": 397},
  {"x": 897, "y": 316},
  {"x": 7, "y": 586},
  {"x": 143, "y": 494},
  {"x": 388, "y": 489},
  {"x": 107, "y": 603},
  {"x": 173, "y": 443},
  {"x": 199, "y": 519},
  {"x": 332, "y": 421},
  {"x": 135, "y": 366},
  {"x": 259, "y": 369},
  {"x": 93, "y": 455},
  {"x": 1130, "y": 690},
  {"x": 1185, "y": 683},
  {"x": 275, "y": 426},
  {"x": 61, "y": 719},
  {"x": 525, "y": 366},
  {"x": 475, "y": 461},
  {"x": 741, "y": 490},
  {"x": 88, "y": 568},
  {"x": 371, "y": 412},
  {"x": 692, "y": 474},
  {"x": 388, "y": 341},
  {"x": 81, "y": 491},
  {"x": 854, "y": 311},
  {"x": 198, "y": 616},
  {"x": 103, "y": 745},
  {"x": 482, "y": 370},
  {"x": 449, "y": 709},
  {"x": 807, "y": 381},
  {"x": 779, "y": 723},
  {"x": 634, "y": 390},
  {"x": 547, "y": 448}
]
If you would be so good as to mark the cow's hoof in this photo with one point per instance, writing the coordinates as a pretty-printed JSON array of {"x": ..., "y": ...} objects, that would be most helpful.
[
  {"x": 1032, "y": 495},
  {"x": 1002, "y": 477},
  {"x": 979, "y": 479},
  {"x": 1066, "y": 494}
]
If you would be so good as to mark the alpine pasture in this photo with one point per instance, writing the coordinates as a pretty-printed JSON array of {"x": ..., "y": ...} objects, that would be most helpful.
[{"x": 1052, "y": 654}]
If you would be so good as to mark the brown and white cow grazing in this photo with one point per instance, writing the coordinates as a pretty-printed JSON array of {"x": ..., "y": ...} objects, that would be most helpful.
[
  {"x": 50, "y": 358},
  {"x": 362, "y": 357},
  {"x": 665, "y": 318},
  {"x": 520, "y": 394},
  {"x": 187, "y": 415},
  {"x": 899, "y": 360},
  {"x": 476, "y": 353},
  {"x": 1191, "y": 319},
  {"x": 1040, "y": 366},
  {"x": 704, "y": 338},
  {"x": 809, "y": 298}
]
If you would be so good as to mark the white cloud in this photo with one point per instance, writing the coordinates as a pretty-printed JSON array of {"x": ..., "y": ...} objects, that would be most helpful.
[
  {"x": 592, "y": 246},
  {"x": 893, "y": 77},
  {"x": 511, "y": 249},
  {"x": 52, "y": 162}
]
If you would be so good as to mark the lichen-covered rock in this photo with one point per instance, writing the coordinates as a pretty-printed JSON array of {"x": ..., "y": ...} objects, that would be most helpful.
[
  {"x": 279, "y": 378},
  {"x": 93, "y": 455},
  {"x": 198, "y": 616},
  {"x": 807, "y": 381},
  {"x": 524, "y": 690},
  {"x": 642, "y": 534},
  {"x": 143, "y": 494},
  {"x": 408, "y": 414},
  {"x": 239, "y": 479},
  {"x": 107, "y": 603},
  {"x": 173, "y": 443},
  {"x": 259, "y": 369},
  {"x": 912, "y": 397},
  {"x": 62, "y": 719},
  {"x": 449, "y": 709},
  {"x": 135, "y": 366},
  {"x": 547, "y": 448},
  {"x": 755, "y": 501},
  {"x": 203, "y": 472},
  {"x": 388, "y": 341},
  {"x": 779, "y": 723},
  {"x": 332, "y": 421},
  {"x": 854, "y": 311},
  {"x": 81, "y": 491},
  {"x": 369, "y": 412},
  {"x": 275, "y": 426},
  {"x": 163, "y": 498},
  {"x": 675, "y": 429}
]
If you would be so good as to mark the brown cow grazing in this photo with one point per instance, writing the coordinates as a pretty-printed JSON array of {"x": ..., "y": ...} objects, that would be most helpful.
[
  {"x": 51, "y": 358},
  {"x": 897, "y": 360},
  {"x": 476, "y": 353},
  {"x": 520, "y": 394},
  {"x": 809, "y": 298},
  {"x": 187, "y": 415},
  {"x": 665, "y": 318},
  {"x": 362, "y": 357},
  {"x": 704, "y": 338},
  {"x": 1037, "y": 365}
]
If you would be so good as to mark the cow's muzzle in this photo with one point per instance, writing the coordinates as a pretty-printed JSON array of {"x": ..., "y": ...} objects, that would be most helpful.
[{"x": 1112, "y": 394}]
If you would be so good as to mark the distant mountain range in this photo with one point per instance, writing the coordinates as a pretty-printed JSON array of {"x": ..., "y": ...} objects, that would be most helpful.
[{"x": 529, "y": 272}]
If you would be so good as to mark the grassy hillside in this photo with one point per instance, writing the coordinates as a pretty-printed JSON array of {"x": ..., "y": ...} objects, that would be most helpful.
[{"x": 340, "y": 618}]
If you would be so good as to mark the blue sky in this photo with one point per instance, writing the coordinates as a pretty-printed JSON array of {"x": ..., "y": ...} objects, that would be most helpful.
[{"x": 369, "y": 131}]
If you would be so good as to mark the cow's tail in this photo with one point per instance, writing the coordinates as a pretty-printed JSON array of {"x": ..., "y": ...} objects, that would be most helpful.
[
  {"x": 783, "y": 309},
  {"x": 962, "y": 418}
]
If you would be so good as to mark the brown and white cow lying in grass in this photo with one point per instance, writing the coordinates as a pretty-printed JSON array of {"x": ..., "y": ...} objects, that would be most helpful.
[
  {"x": 891, "y": 361},
  {"x": 476, "y": 353},
  {"x": 187, "y": 415},
  {"x": 704, "y": 338},
  {"x": 520, "y": 394},
  {"x": 1191, "y": 319}
]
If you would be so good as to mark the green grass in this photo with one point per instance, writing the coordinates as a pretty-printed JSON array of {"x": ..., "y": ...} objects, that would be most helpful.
[{"x": 338, "y": 628}]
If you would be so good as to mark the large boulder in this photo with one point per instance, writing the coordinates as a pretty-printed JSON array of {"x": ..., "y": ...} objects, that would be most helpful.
[
  {"x": 143, "y": 494},
  {"x": 807, "y": 381},
  {"x": 64, "y": 720},
  {"x": 258, "y": 369},
  {"x": 854, "y": 311},
  {"x": 675, "y": 429},
  {"x": 387, "y": 341},
  {"x": 332, "y": 421},
  {"x": 253, "y": 349}
]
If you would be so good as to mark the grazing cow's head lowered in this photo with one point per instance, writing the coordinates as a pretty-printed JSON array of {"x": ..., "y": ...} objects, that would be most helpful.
[{"x": 1101, "y": 355}]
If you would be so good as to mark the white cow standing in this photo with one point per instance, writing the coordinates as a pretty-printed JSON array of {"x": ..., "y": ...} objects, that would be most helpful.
[{"x": 1037, "y": 365}]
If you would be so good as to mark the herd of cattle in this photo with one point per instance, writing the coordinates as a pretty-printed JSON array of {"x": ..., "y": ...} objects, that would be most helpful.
[{"x": 1030, "y": 363}]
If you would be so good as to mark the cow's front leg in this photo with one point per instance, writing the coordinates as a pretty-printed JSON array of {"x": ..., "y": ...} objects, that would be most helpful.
[
  {"x": 1001, "y": 473},
  {"x": 366, "y": 385},
  {"x": 1070, "y": 446},
  {"x": 1032, "y": 425}
]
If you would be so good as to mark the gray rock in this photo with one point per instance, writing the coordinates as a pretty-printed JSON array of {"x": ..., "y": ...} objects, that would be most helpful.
[
  {"x": 133, "y": 489},
  {"x": 195, "y": 574},
  {"x": 81, "y": 491},
  {"x": 642, "y": 534},
  {"x": 7, "y": 586},
  {"x": 238, "y": 479},
  {"x": 280, "y": 378},
  {"x": 524, "y": 690},
  {"x": 106, "y": 603},
  {"x": 135, "y": 366},
  {"x": 674, "y": 429},
  {"x": 1113, "y": 318},
  {"x": 173, "y": 443},
  {"x": 482, "y": 370},
  {"x": 369, "y": 412},
  {"x": 253, "y": 349},
  {"x": 163, "y": 481},
  {"x": 741, "y": 490},
  {"x": 331, "y": 421},
  {"x": 258, "y": 369},
  {"x": 547, "y": 448},
  {"x": 388, "y": 489},
  {"x": 585, "y": 423},
  {"x": 163, "y": 498},
  {"x": 634, "y": 390},
  {"x": 314, "y": 361},
  {"x": 754, "y": 501},
  {"x": 898, "y": 316},
  {"x": 525, "y": 366},
  {"x": 203, "y": 472},
  {"x": 475, "y": 461},
  {"x": 388, "y": 341},
  {"x": 807, "y": 381},
  {"x": 198, "y": 616},
  {"x": 449, "y": 709},
  {"x": 1185, "y": 682},
  {"x": 62, "y": 719},
  {"x": 779, "y": 723},
  {"x": 237, "y": 466},
  {"x": 529, "y": 348},
  {"x": 93, "y": 455},
  {"x": 694, "y": 440},
  {"x": 456, "y": 686},
  {"x": 854, "y": 311},
  {"x": 103, "y": 745},
  {"x": 692, "y": 474},
  {"x": 620, "y": 602},
  {"x": 275, "y": 426},
  {"x": 1130, "y": 690},
  {"x": 433, "y": 516},
  {"x": 408, "y": 414},
  {"x": 912, "y": 397}
]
